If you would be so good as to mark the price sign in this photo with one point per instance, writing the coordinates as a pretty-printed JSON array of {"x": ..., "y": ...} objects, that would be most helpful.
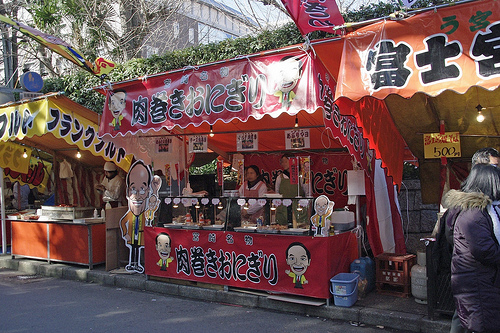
[
  {"x": 297, "y": 139},
  {"x": 247, "y": 141},
  {"x": 198, "y": 144},
  {"x": 163, "y": 145},
  {"x": 437, "y": 145}
]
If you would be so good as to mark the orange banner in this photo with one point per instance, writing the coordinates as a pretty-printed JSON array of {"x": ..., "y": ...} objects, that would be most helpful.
[{"x": 454, "y": 47}]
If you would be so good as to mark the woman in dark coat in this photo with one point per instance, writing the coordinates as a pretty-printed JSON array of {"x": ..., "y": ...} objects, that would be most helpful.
[{"x": 475, "y": 264}]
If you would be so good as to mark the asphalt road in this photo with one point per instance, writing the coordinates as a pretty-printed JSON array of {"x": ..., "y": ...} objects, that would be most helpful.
[{"x": 41, "y": 304}]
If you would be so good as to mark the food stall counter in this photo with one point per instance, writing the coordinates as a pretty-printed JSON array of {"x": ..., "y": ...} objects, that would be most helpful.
[{"x": 81, "y": 241}]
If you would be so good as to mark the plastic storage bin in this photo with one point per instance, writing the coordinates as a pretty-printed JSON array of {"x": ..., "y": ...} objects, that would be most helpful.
[
  {"x": 344, "y": 288},
  {"x": 365, "y": 267}
]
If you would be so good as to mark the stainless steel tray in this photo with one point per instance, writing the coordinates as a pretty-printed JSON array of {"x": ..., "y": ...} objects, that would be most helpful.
[
  {"x": 191, "y": 226},
  {"x": 213, "y": 227},
  {"x": 294, "y": 231},
  {"x": 245, "y": 229},
  {"x": 173, "y": 225},
  {"x": 267, "y": 231}
]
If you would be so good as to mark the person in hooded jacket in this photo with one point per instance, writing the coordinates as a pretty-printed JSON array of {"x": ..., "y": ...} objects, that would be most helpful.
[{"x": 474, "y": 223}]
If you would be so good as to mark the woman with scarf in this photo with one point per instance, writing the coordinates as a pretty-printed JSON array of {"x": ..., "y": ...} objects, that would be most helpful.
[
  {"x": 253, "y": 187},
  {"x": 475, "y": 263}
]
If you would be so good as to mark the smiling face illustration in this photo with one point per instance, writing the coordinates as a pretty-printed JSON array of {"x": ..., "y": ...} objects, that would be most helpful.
[
  {"x": 117, "y": 103},
  {"x": 290, "y": 72},
  {"x": 138, "y": 188},
  {"x": 163, "y": 246},
  {"x": 298, "y": 259}
]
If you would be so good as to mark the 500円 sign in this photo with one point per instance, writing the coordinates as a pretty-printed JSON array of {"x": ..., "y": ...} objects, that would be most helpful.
[{"x": 437, "y": 145}]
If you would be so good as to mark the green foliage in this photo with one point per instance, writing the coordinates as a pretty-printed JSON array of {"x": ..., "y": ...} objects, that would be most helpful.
[
  {"x": 210, "y": 168},
  {"x": 372, "y": 11},
  {"x": 79, "y": 86}
]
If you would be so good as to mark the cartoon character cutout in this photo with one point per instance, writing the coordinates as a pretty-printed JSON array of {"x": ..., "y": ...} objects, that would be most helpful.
[
  {"x": 320, "y": 221},
  {"x": 142, "y": 197},
  {"x": 298, "y": 258},
  {"x": 164, "y": 247},
  {"x": 289, "y": 73},
  {"x": 117, "y": 103}
]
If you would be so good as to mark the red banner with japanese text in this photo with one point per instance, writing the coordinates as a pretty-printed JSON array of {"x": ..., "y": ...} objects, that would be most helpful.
[
  {"x": 328, "y": 172},
  {"x": 250, "y": 260},
  {"x": 453, "y": 47},
  {"x": 242, "y": 88},
  {"x": 314, "y": 15}
]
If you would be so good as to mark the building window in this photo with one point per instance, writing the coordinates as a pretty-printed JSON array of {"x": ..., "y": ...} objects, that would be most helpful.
[
  {"x": 191, "y": 35},
  {"x": 176, "y": 29}
]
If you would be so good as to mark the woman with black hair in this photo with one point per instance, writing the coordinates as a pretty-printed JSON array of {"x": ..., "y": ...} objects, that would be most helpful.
[
  {"x": 475, "y": 263},
  {"x": 253, "y": 187}
]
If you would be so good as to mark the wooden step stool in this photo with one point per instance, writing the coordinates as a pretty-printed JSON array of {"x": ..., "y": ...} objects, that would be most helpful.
[{"x": 393, "y": 274}]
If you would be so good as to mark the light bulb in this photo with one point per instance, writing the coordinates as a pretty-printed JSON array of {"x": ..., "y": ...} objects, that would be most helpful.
[
  {"x": 480, "y": 117},
  {"x": 78, "y": 154},
  {"x": 299, "y": 208},
  {"x": 296, "y": 121},
  {"x": 25, "y": 154},
  {"x": 211, "y": 131}
]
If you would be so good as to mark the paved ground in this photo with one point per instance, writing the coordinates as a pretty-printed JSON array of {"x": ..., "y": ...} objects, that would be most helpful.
[
  {"x": 375, "y": 310},
  {"x": 93, "y": 307}
]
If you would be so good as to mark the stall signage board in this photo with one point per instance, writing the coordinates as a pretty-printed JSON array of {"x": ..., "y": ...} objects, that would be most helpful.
[
  {"x": 47, "y": 116},
  {"x": 238, "y": 89},
  {"x": 467, "y": 32},
  {"x": 437, "y": 145},
  {"x": 37, "y": 175},
  {"x": 297, "y": 139},
  {"x": 163, "y": 145},
  {"x": 11, "y": 156},
  {"x": 250, "y": 260},
  {"x": 247, "y": 141},
  {"x": 198, "y": 144}
]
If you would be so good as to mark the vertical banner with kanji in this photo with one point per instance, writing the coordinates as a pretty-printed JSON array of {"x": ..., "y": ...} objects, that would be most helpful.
[
  {"x": 294, "y": 170},
  {"x": 220, "y": 172},
  {"x": 314, "y": 15}
]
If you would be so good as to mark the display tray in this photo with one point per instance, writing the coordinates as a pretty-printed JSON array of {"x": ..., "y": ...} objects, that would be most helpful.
[
  {"x": 213, "y": 227},
  {"x": 273, "y": 195},
  {"x": 265, "y": 230},
  {"x": 294, "y": 231},
  {"x": 191, "y": 226},
  {"x": 173, "y": 225},
  {"x": 245, "y": 229}
]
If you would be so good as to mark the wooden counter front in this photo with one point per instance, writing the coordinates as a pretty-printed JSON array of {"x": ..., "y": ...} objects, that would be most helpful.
[{"x": 64, "y": 241}]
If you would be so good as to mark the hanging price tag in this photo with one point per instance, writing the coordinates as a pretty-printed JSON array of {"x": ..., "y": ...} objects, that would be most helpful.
[{"x": 437, "y": 145}]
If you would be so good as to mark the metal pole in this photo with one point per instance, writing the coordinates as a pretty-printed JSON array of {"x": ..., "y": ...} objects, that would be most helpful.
[{"x": 4, "y": 227}]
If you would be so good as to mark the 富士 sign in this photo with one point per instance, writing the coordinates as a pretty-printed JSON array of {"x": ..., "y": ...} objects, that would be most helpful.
[{"x": 437, "y": 145}]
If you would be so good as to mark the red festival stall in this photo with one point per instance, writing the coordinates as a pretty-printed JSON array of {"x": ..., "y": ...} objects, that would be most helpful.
[
  {"x": 253, "y": 107},
  {"x": 427, "y": 74}
]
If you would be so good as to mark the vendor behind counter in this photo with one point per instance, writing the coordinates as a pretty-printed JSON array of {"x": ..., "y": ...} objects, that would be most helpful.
[{"x": 200, "y": 184}]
